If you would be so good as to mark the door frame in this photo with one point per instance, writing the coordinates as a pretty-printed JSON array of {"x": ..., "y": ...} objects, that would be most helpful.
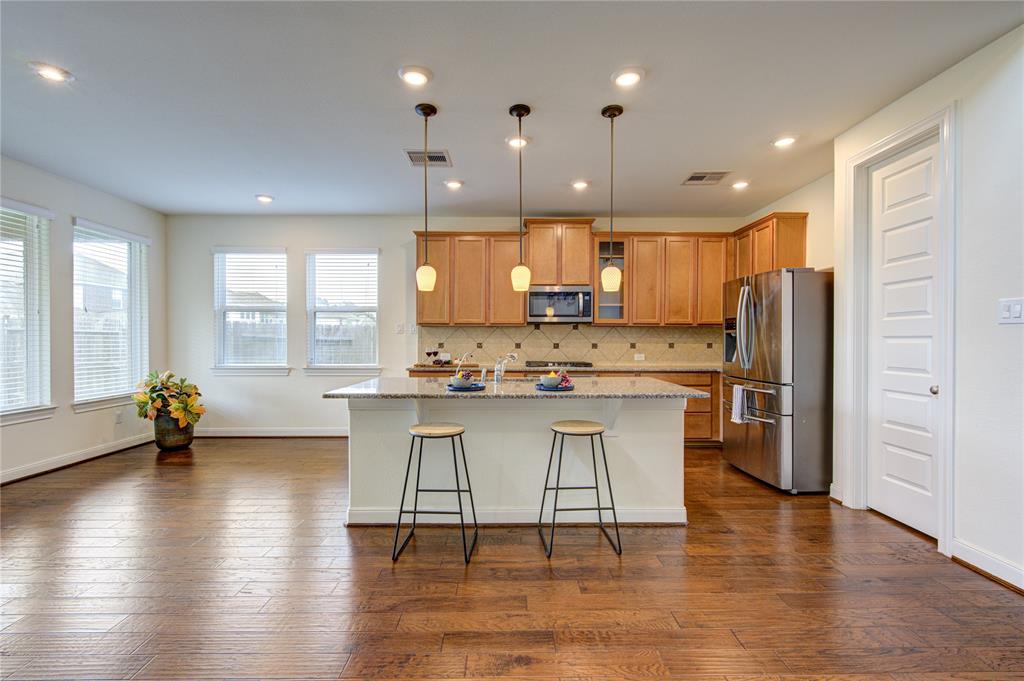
[{"x": 852, "y": 310}]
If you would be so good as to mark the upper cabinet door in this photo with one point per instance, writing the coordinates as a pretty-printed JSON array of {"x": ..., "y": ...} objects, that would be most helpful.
[
  {"x": 577, "y": 240},
  {"x": 711, "y": 274},
  {"x": 504, "y": 306},
  {"x": 647, "y": 270},
  {"x": 432, "y": 307},
  {"x": 680, "y": 264},
  {"x": 611, "y": 307},
  {"x": 469, "y": 280},
  {"x": 744, "y": 254},
  {"x": 543, "y": 259},
  {"x": 764, "y": 247}
]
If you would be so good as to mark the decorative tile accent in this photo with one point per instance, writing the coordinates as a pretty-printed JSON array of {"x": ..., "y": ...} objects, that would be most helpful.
[{"x": 556, "y": 342}]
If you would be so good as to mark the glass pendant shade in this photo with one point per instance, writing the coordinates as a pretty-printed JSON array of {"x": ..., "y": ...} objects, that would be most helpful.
[
  {"x": 426, "y": 277},
  {"x": 611, "y": 279},
  {"x": 521, "y": 278}
]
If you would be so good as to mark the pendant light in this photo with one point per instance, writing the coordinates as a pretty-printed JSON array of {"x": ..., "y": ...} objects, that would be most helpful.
[
  {"x": 611, "y": 276},
  {"x": 520, "y": 273},
  {"x": 426, "y": 275}
]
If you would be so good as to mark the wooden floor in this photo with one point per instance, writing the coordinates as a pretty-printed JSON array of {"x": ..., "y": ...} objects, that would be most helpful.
[{"x": 233, "y": 562}]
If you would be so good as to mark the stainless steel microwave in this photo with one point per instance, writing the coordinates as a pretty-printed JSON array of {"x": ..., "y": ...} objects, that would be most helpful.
[{"x": 560, "y": 304}]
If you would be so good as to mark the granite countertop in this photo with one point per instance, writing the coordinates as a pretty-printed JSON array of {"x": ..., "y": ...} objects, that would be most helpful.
[
  {"x": 635, "y": 387},
  {"x": 607, "y": 368}
]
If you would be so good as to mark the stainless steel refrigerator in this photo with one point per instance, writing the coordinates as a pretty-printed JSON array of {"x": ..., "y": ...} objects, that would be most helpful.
[{"x": 778, "y": 348}]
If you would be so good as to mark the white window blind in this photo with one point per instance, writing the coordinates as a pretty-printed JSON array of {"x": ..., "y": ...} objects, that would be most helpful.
[
  {"x": 251, "y": 307},
  {"x": 111, "y": 303},
  {"x": 24, "y": 310},
  {"x": 341, "y": 305}
]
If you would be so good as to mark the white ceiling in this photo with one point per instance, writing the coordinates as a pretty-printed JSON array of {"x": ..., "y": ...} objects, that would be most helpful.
[{"x": 195, "y": 107}]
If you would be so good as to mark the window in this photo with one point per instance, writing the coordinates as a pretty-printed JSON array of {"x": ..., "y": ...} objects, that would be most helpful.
[
  {"x": 24, "y": 307},
  {"x": 250, "y": 302},
  {"x": 341, "y": 303},
  {"x": 111, "y": 298}
]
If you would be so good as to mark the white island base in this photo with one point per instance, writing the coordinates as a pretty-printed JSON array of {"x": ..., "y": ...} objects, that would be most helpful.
[{"x": 508, "y": 442}]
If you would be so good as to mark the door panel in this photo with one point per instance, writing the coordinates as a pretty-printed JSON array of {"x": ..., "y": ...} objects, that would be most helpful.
[
  {"x": 711, "y": 268},
  {"x": 680, "y": 261},
  {"x": 764, "y": 248},
  {"x": 577, "y": 240},
  {"x": 543, "y": 259},
  {"x": 771, "y": 327},
  {"x": 646, "y": 277},
  {"x": 504, "y": 306},
  {"x": 433, "y": 307},
  {"x": 905, "y": 338},
  {"x": 744, "y": 254},
  {"x": 469, "y": 281}
]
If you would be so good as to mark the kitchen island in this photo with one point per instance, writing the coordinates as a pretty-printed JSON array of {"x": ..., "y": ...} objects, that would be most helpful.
[{"x": 508, "y": 440}]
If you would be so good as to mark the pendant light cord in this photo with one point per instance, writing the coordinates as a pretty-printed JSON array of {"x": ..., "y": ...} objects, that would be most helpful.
[
  {"x": 611, "y": 197},
  {"x": 426, "y": 239},
  {"x": 520, "y": 151}
]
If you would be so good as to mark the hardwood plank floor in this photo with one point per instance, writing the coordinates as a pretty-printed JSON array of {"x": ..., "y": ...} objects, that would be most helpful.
[{"x": 233, "y": 562}]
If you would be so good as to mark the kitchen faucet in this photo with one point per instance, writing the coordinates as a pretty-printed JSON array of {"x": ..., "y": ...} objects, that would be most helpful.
[{"x": 499, "y": 365}]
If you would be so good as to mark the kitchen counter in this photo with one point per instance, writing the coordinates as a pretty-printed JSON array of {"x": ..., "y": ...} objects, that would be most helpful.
[
  {"x": 516, "y": 388},
  {"x": 508, "y": 440},
  {"x": 601, "y": 368}
]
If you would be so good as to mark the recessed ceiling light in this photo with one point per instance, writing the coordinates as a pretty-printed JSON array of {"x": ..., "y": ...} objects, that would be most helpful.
[
  {"x": 628, "y": 77},
  {"x": 742, "y": 184},
  {"x": 516, "y": 141},
  {"x": 264, "y": 198},
  {"x": 453, "y": 184},
  {"x": 417, "y": 76},
  {"x": 784, "y": 142},
  {"x": 54, "y": 74},
  {"x": 580, "y": 185}
]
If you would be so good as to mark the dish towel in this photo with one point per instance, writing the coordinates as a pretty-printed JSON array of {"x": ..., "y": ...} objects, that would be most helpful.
[{"x": 737, "y": 404}]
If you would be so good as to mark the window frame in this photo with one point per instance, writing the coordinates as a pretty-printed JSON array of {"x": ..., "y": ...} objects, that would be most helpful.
[
  {"x": 221, "y": 309},
  {"x": 138, "y": 314},
  {"x": 38, "y": 269},
  {"x": 312, "y": 366}
]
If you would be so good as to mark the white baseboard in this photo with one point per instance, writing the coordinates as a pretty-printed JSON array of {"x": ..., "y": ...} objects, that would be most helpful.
[
  {"x": 834, "y": 493},
  {"x": 73, "y": 457},
  {"x": 522, "y": 516},
  {"x": 271, "y": 432},
  {"x": 994, "y": 565}
]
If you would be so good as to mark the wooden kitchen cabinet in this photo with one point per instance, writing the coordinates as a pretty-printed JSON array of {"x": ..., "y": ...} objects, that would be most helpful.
[
  {"x": 561, "y": 251},
  {"x": 680, "y": 283},
  {"x": 433, "y": 307},
  {"x": 504, "y": 306},
  {"x": 647, "y": 266},
  {"x": 612, "y": 307},
  {"x": 711, "y": 275},
  {"x": 469, "y": 280},
  {"x": 772, "y": 242}
]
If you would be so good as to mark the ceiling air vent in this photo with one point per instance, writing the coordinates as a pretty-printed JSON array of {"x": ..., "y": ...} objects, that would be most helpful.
[
  {"x": 436, "y": 157},
  {"x": 708, "y": 177}
]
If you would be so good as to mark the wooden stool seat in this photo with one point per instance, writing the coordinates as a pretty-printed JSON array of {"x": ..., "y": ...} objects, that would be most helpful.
[
  {"x": 577, "y": 427},
  {"x": 437, "y": 429}
]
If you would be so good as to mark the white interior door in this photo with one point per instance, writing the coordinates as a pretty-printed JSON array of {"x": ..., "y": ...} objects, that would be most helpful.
[{"x": 906, "y": 348}]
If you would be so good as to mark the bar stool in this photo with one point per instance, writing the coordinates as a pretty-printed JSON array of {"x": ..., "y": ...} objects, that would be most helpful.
[
  {"x": 433, "y": 431},
  {"x": 576, "y": 428}
]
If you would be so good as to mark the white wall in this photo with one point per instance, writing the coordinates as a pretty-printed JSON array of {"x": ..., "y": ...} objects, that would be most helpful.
[
  {"x": 817, "y": 200},
  {"x": 291, "y": 405},
  {"x": 987, "y": 89},
  {"x": 28, "y": 448}
]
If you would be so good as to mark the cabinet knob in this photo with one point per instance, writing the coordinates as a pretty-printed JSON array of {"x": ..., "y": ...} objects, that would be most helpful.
[{"x": 934, "y": 390}]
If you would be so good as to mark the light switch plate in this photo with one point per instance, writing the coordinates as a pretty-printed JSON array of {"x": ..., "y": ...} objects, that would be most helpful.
[
  {"x": 1011, "y": 311},
  {"x": 639, "y": 357}
]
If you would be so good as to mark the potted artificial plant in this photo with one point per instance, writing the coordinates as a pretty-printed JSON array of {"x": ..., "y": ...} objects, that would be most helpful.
[{"x": 173, "y": 407}]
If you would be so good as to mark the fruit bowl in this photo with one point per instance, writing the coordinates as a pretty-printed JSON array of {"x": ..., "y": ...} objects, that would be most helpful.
[
  {"x": 552, "y": 380},
  {"x": 462, "y": 379}
]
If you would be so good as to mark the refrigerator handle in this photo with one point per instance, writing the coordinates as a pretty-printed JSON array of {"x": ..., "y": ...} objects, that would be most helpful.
[
  {"x": 748, "y": 327},
  {"x": 742, "y": 326}
]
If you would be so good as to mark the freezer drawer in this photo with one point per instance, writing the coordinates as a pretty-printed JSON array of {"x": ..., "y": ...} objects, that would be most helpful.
[
  {"x": 772, "y": 397},
  {"x": 763, "y": 446}
]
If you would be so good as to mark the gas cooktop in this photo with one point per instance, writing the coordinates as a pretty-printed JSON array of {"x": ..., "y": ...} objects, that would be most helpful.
[{"x": 538, "y": 364}]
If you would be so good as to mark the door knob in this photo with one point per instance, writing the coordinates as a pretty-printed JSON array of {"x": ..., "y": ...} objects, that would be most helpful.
[{"x": 934, "y": 390}]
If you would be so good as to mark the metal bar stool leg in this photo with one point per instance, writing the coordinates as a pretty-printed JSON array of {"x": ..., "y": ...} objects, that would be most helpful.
[
  {"x": 395, "y": 551},
  {"x": 617, "y": 544},
  {"x": 549, "y": 545},
  {"x": 597, "y": 485},
  {"x": 469, "y": 490},
  {"x": 547, "y": 481},
  {"x": 466, "y": 549}
]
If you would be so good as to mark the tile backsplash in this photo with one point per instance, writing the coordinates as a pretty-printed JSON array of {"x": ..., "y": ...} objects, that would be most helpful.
[{"x": 597, "y": 344}]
